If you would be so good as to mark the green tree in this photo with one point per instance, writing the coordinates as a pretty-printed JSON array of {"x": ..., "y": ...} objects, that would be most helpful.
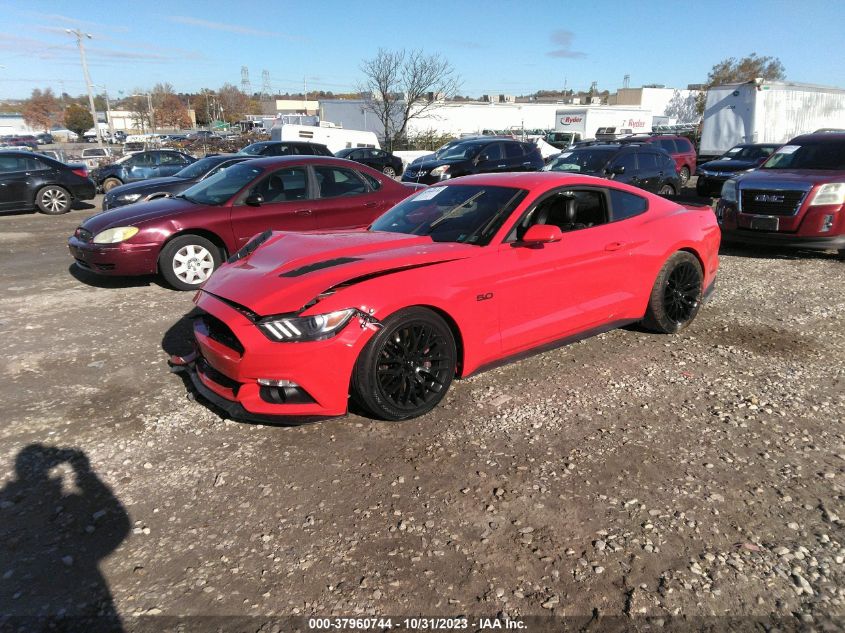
[
  {"x": 732, "y": 70},
  {"x": 78, "y": 119}
]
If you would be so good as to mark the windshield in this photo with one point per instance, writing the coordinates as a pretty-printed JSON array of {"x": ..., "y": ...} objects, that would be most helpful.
[
  {"x": 747, "y": 153},
  {"x": 453, "y": 213},
  {"x": 197, "y": 169},
  {"x": 460, "y": 151},
  {"x": 582, "y": 160},
  {"x": 808, "y": 156},
  {"x": 254, "y": 149},
  {"x": 217, "y": 189}
]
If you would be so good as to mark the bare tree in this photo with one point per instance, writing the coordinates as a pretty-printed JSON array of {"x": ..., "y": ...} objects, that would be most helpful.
[
  {"x": 139, "y": 110},
  {"x": 403, "y": 85},
  {"x": 682, "y": 108},
  {"x": 233, "y": 103}
]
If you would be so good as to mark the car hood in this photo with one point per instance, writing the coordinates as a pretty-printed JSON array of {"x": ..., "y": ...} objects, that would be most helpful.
[
  {"x": 421, "y": 159},
  {"x": 134, "y": 214},
  {"x": 728, "y": 165},
  {"x": 437, "y": 162},
  {"x": 807, "y": 177},
  {"x": 147, "y": 186},
  {"x": 290, "y": 270}
]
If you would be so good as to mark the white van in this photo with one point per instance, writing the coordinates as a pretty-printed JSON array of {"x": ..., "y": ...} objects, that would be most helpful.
[{"x": 335, "y": 138}]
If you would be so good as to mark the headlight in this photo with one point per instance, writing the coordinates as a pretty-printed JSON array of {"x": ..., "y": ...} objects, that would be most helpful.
[
  {"x": 310, "y": 328},
  {"x": 115, "y": 235},
  {"x": 441, "y": 172},
  {"x": 130, "y": 197},
  {"x": 831, "y": 193},
  {"x": 729, "y": 193}
]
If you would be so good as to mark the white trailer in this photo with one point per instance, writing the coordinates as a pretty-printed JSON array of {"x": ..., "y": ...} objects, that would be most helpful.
[
  {"x": 335, "y": 138},
  {"x": 584, "y": 122},
  {"x": 761, "y": 111}
]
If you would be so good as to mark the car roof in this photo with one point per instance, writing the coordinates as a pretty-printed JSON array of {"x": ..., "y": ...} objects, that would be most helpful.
[
  {"x": 273, "y": 161},
  {"x": 821, "y": 137},
  {"x": 532, "y": 180}
]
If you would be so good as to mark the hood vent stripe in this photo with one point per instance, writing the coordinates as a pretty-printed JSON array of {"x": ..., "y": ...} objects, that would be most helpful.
[
  {"x": 381, "y": 273},
  {"x": 310, "y": 268}
]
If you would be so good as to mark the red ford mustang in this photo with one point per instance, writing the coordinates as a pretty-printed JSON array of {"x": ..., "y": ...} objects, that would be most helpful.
[
  {"x": 454, "y": 279},
  {"x": 185, "y": 238}
]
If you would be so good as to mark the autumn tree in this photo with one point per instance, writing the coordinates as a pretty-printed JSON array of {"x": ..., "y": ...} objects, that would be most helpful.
[
  {"x": 42, "y": 110},
  {"x": 171, "y": 112},
  {"x": 404, "y": 85},
  {"x": 233, "y": 102},
  {"x": 732, "y": 70},
  {"x": 78, "y": 119}
]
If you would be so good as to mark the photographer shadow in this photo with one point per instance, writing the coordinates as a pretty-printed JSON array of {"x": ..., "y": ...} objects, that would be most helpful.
[{"x": 55, "y": 529}]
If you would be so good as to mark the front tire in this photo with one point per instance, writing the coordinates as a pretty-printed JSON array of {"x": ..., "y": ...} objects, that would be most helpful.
[
  {"x": 405, "y": 370},
  {"x": 684, "y": 175},
  {"x": 110, "y": 183},
  {"x": 666, "y": 190},
  {"x": 188, "y": 260},
  {"x": 53, "y": 200},
  {"x": 676, "y": 296}
]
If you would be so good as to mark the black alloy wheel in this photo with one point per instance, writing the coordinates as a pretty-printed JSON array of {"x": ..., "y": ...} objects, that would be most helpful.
[
  {"x": 683, "y": 289},
  {"x": 406, "y": 369},
  {"x": 676, "y": 296}
]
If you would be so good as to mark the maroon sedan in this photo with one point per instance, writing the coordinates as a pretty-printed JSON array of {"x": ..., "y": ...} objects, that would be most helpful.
[{"x": 187, "y": 237}]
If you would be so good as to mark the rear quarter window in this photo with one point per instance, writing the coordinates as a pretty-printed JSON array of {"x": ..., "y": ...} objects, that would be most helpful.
[
  {"x": 669, "y": 145},
  {"x": 625, "y": 205}
]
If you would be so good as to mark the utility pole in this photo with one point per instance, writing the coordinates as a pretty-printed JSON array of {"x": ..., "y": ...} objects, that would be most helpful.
[
  {"x": 79, "y": 36},
  {"x": 108, "y": 112},
  {"x": 305, "y": 88}
]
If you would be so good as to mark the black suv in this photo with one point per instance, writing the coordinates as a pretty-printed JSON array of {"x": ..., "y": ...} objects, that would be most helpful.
[
  {"x": 646, "y": 166},
  {"x": 285, "y": 148},
  {"x": 476, "y": 156}
]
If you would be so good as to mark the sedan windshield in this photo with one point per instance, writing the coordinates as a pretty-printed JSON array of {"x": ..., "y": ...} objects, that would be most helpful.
[
  {"x": 825, "y": 155},
  {"x": 254, "y": 149},
  {"x": 197, "y": 169},
  {"x": 220, "y": 187},
  {"x": 460, "y": 151},
  {"x": 745, "y": 152},
  {"x": 452, "y": 213},
  {"x": 586, "y": 160}
]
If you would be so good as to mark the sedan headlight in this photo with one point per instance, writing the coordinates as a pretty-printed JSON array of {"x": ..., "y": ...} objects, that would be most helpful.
[
  {"x": 130, "y": 197},
  {"x": 831, "y": 193},
  {"x": 441, "y": 172},
  {"x": 115, "y": 235},
  {"x": 729, "y": 193},
  {"x": 310, "y": 328}
]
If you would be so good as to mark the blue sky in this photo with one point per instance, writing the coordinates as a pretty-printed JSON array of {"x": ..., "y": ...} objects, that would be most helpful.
[{"x": 495, "y": 46}]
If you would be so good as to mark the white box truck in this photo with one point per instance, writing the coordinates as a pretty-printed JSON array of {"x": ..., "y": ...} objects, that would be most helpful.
[
  {"x": 761, "y": 111},
  {"x": 335, "y": 138},
  {"x": 581, "y": 123}
]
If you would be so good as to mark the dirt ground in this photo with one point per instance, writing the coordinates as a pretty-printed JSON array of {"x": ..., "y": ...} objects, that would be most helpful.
[{"x": 628, "y": 475}]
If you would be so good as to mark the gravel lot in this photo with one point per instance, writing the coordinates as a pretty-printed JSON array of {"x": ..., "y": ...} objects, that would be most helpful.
[{"x": 630, "y": 474}]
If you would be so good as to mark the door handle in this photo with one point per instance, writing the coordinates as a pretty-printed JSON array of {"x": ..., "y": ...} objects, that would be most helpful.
[
  {"x": 497, "y": 166},
  {"x": 614, "y": 246},
  {"x": 302, "y": 212},
  {"x": 527, "y": 163}
]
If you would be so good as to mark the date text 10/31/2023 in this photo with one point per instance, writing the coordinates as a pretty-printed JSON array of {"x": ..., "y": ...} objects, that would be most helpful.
[{"x": 414, "y": 624}]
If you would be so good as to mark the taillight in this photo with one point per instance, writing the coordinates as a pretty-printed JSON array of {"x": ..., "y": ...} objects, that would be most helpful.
[{"x": 82, "y": 172}]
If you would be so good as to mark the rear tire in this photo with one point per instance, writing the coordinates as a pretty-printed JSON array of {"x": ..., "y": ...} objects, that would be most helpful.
[
  {"x": 676, "y": 296},
  {"x": 53, "y": 200},
  {"x": 666, "y": 190},
  {"x": 110, "y": 183},
  {"x": 405, "y": 370},
  {"x": 188, "y": 260},
  {"x": 389, "y": 172},
  {"x": 684, "y": 175}
]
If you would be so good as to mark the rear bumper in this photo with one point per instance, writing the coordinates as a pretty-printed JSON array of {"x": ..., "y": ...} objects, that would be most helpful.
[
  {"x": 228, "y": 377},
  {"x": 83, "y": 191},
  {"x": 115, "y": 259}
]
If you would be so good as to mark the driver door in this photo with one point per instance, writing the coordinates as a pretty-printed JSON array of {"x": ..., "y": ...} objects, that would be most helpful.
[
  {"x": 280, "y": 201},
  {"x": 142, "y": 166}
]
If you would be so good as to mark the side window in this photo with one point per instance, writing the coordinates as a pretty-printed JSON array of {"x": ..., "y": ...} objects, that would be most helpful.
[
  {"x": 669, "y": 145},
  {"x": 492, "y": 152},
  {"x": 683, "y": 145},
  {"x": 628, "y": 160},
  {"x": 375, "y": 185},
  {"x": 283, "y": 185},
  {"x": 168, "y": 158},
  {"x": 278, "y": 150},
  {"x": 334, "y": 182},
  {"x": 9, "y": 164},
  {"x": 513, "y": 150},
  {"x": 33, "y": 164},
  {"x": 569, "y": 210},
  {"x": 625, "y": 205},
  {"x": 145, "y": 159},
  {"x": 648, "y": 163}
]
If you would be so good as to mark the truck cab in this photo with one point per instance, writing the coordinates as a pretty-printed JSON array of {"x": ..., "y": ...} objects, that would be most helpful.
[{"x": 795, "y": 199}]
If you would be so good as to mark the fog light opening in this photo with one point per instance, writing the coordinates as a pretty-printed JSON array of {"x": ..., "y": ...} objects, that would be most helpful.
[
  {"x": 827, "y": 223},
  {"x": 268, "y": 382}
]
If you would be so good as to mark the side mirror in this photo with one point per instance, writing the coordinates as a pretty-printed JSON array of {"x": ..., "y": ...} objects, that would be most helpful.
[
  {"x": 254, "y": 200},
  {"x": 617, "y": 170},
  {"x": 540, "y": 234}
]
